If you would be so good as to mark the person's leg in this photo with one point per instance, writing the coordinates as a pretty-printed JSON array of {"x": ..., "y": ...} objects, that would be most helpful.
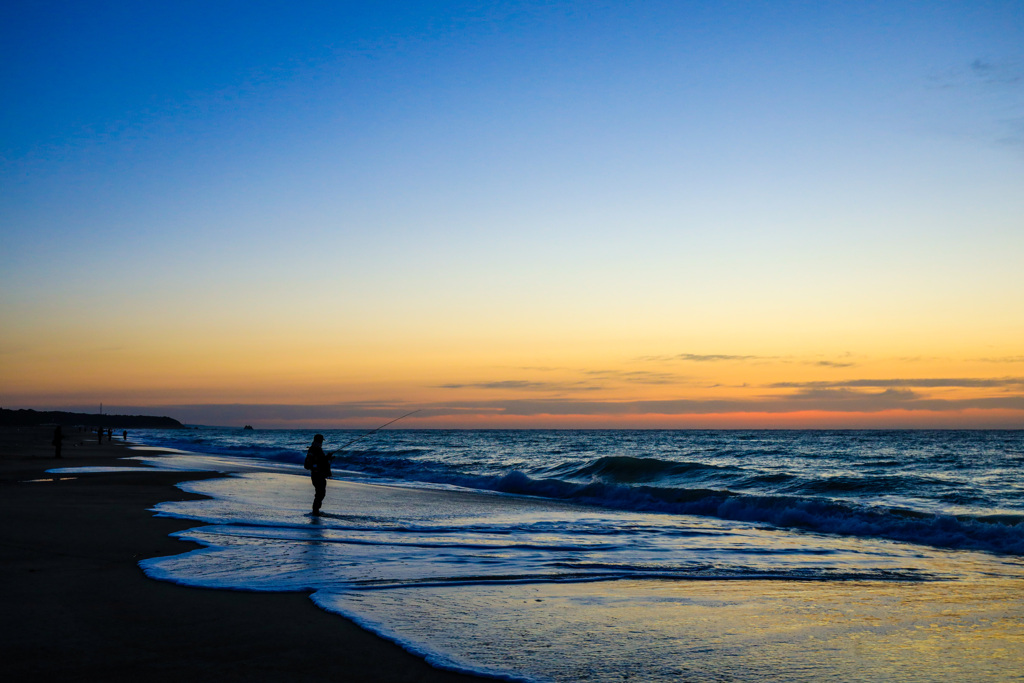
[{"x": 320, "y": 486}]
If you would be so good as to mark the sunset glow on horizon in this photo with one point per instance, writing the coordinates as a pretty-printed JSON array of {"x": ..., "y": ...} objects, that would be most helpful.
[{"x": 526, "y": 215}]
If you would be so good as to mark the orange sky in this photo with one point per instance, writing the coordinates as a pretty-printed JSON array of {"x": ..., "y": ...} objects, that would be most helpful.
[{"x": 352, "y": 385}]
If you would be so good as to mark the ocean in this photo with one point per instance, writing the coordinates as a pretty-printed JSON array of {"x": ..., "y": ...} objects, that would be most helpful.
[{"x": 609, "y": 555}]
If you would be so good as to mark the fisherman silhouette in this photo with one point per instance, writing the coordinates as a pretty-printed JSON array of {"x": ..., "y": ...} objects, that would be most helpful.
[{"x": 319, "y": 465}]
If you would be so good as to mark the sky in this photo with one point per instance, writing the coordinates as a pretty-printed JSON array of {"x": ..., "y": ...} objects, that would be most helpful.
[{"x": 729, "y": 214}]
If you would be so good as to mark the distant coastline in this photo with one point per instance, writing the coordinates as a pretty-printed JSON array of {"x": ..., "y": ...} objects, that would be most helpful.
[{"x": 32, "y": 418}]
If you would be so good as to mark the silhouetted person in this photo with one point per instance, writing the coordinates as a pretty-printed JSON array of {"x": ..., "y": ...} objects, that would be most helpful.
[
  {"x": 58, "y": 438},
  {"x": 319, "y": 465}
]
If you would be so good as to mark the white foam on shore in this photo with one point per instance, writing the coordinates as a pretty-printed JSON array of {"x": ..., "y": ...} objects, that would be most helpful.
[
  {"x": 160, "y": 449},
  {"x": 103, "y": 469},
  {"x": 530, "y": 589}
]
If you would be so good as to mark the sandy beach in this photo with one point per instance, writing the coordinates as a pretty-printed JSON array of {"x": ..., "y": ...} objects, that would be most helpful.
[{"x": 78, "y": 607}]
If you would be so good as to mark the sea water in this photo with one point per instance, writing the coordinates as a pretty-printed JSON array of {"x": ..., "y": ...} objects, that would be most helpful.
[{"x": 651, "y": 555}]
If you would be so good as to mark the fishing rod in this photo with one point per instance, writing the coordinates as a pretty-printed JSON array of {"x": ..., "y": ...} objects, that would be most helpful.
[{"x": 338, "y": 450}]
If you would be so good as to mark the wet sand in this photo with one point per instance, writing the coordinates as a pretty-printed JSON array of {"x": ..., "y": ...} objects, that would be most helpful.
[{"x": 76, "y": 606}]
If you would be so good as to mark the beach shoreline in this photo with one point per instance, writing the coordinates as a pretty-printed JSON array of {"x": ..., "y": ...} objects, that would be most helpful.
[{"x": 77, "y": 605}]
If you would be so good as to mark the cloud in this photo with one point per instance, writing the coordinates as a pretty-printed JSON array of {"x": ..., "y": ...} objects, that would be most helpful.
[
  {"x": 717, "y": 357},
  {"x": 931, "y": 383},
  {"x": 502, "y": 384},
  {"x": 822, "y": 399},
  {"x": 707, "y": 357},
  {"x": 1003, "y": 73},
  {"x": 525, "y": 385},
  {"x": 980, "y": 72},
  {"x": 998, "y": 85},
  {"x": 836, "y": 401},
  {"x": 846, "y": 399},
  {"x": 846, "y": 394},
  {"x": 868, "y": 395},
  {"x": 742, "y": 358},
  {"x": 637, "y": 376},
  {"x": 627, "y": 376}
]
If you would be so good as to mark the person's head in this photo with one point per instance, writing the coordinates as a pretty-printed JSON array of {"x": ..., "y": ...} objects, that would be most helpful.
[{"x": 318, "y": 439}]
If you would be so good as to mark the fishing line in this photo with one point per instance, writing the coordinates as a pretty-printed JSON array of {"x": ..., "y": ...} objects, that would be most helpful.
[{"x": 338, "y": 450}]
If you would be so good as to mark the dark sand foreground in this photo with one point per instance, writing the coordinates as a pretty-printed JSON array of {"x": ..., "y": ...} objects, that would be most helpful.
[{"x": 76, "y": 606}]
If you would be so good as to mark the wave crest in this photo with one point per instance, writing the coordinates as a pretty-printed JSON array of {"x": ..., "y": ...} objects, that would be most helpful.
[{"x": 999, "y": 534}]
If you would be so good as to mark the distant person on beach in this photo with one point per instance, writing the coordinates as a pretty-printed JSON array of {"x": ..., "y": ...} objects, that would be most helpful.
[
  {"x": 319, "y": 465},
  {"x": 58, "y": 438}
]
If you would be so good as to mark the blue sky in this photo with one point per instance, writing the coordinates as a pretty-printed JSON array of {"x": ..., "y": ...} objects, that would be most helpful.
[{"x": 538, "y": 178}]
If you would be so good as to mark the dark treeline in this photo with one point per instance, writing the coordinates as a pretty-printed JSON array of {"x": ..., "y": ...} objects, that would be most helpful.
[{"x": 29, "y": 418}]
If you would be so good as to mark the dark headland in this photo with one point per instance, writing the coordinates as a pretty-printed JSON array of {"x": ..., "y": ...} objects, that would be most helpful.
[{"x": 32, "y": 418}]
